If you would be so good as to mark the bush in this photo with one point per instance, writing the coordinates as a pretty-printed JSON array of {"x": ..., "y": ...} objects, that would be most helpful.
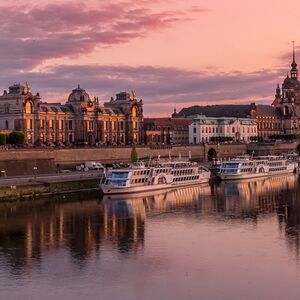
[
  {"x": 133, "y": 155},
  {"x": 285, "y": 137},
  {"x": 221, "y": 139},
  {"x": 17, "y": 138},
  {"x": 3, "y": 139}
]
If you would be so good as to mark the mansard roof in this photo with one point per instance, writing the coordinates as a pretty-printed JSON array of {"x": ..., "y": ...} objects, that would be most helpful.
[
  {"x": 55, "y": 107},
  {"x": 267, "y": 110},
  {"x": 228, "y": 110}
]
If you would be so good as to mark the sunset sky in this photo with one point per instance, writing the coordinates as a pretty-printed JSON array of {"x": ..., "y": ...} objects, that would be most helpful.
[{"x": 173, "y": 53}]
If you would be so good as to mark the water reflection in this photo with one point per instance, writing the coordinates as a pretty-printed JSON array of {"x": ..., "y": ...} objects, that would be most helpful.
[{"x": 84, "y": 229}]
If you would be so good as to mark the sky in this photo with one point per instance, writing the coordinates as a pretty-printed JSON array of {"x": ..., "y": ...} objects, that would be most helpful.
[{"x": 172, "y": 53}]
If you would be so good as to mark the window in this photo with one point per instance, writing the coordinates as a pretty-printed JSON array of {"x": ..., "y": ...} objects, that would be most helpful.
[
  {"x": 6, "y": 124},
  {"x": 28, "y": 107},
  {"x": 134, "y": 111},
  {"x": 195, "y": 130},
  {"x": 233, "y": 130},
  {"x": 70, "y": 125}
]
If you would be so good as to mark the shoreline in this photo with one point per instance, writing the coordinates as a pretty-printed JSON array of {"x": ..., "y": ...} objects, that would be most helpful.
[{"x": 37, "y": 188}]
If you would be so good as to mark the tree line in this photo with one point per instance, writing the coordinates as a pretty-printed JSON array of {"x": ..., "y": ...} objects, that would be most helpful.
[{"x": 12, "y": 138}]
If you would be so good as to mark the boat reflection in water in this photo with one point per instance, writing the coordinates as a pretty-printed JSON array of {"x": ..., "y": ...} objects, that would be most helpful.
[
  {"x": 38, "y": 238},
  {"x": 160, "y": 200}
]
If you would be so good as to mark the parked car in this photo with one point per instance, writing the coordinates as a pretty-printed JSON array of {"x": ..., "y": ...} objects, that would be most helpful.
[{"x": 92, "y": 165}]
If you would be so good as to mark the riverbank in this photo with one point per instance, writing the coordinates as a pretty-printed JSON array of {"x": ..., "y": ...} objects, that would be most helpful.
[{"x": 33, "y": 187}]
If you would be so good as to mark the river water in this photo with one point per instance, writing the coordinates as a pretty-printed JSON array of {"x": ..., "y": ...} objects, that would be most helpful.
[{"x": 225, "y": 241}]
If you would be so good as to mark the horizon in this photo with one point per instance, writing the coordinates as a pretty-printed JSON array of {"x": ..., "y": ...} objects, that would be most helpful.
[{"x": 174, "y": 55}]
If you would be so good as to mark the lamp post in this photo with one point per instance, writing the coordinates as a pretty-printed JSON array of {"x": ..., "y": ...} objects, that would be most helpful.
[{"x": 35, "y": 172}]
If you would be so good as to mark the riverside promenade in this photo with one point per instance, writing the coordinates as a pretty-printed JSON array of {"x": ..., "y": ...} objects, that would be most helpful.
[{"x": 19, "y": 187}]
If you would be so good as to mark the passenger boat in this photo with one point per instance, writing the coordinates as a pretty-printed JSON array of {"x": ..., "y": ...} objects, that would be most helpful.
[
  {"x": 162, "y": 175},
  {"x": 246, "y": 167}
]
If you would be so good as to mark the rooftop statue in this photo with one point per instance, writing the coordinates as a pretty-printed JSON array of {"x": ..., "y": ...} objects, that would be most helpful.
[
  {"x": 28, "y": 88},
  {"x": 133, "y": 95}
]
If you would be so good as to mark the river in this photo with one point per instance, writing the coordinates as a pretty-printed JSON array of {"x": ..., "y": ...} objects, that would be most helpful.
[{"x": 224, "y": 241}]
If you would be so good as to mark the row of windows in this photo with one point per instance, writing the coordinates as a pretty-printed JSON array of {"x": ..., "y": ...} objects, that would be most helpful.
[
  {"x": 279, "y": 169},
  {"x": 50, "y": 123},
  {"x": 275, "y": 164},
  {"x": 246, "y": 170},
  {"x": 113, "y": 125},
  {"x": 186, "y": 178},
  {"x": 162, "y": 171},
  {"x": 182, "y": 172},
  {"x": 269, "y": 125},
  {"x": 139, "y": 180},
  {"x": 143, "y": 172},
  {"x": 247, "y": 163}
]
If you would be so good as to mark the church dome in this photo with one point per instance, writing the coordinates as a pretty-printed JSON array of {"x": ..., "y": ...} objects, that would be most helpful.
[
  {"x": 79, "y": 95},
  {"x": 290, "y": 82}
]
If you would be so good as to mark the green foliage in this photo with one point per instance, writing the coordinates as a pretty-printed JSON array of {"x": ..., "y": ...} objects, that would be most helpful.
[
  {"x": 256, "y": 138},
  {"x": 285, "y": 137},
  {"x": 221, "y": 139},
  {"x": 16, "y": 138},
  {"x": 133, "y": 155},
  {"x": 3, "y": 139}
]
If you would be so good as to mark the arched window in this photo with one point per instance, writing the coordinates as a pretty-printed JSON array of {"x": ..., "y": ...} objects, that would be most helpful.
[
  {"x": 133, "y": 111},
  {"x": 28, "y": 107}
]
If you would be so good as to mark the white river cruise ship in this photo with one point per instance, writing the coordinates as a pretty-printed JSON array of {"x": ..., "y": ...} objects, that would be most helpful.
[
  {"x": 163, "y": 175},
  {"x": 245, "y": 167}
]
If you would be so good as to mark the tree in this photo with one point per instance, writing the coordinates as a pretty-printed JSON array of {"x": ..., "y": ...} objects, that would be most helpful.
[
  {"x": 3, "y": 139},
  {"x": 134, "y": 155},
  {"x": 17, "y": 138}
]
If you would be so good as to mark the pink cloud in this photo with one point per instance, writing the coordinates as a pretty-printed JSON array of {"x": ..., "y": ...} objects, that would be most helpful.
[{"x": 33, "y": 34}]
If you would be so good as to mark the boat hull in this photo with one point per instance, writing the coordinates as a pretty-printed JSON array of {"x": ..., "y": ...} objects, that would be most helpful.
[
  {"x": 227, "y": 177},
  {"x": 109, "y": 190}
]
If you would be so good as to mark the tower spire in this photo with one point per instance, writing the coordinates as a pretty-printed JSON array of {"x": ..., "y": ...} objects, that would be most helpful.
[{"x": 294, "y": 71}]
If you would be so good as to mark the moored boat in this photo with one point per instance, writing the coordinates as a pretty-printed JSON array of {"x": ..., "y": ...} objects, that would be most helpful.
[
  {"x": 163, "y": 175},
  {"x": 247, "y": 167}
]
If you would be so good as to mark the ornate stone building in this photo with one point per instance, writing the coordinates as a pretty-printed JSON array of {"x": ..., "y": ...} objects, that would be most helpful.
[
  {"x": 287, "y": 100},
  {"x": 167, "y": 130},
  {"x": 81, "y": 120},
  {"x": 202, "y": 129}
]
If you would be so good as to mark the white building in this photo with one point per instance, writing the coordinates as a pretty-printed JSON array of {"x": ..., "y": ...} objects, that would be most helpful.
[{"x": 203, "y": 129}]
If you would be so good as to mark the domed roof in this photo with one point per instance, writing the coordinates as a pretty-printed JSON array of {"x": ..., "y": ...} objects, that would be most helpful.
[
  {"x": 79, "y": 95},
  {"x": 290, "y": 82}
]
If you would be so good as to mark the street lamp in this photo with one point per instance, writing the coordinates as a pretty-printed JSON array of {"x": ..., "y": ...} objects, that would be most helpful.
[{"x": 35, "y": 172}]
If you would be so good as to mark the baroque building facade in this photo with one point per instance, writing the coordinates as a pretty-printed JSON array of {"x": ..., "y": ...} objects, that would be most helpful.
[
  {"x": 287, "y": 100},
  {"x": 203, "y": 129},
  {"x": 81, "y": 120},
  {"x": 167, "y": 130}
]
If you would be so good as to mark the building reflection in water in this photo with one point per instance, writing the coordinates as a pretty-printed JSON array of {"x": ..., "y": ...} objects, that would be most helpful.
[{"x": 83, "y": 228}]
